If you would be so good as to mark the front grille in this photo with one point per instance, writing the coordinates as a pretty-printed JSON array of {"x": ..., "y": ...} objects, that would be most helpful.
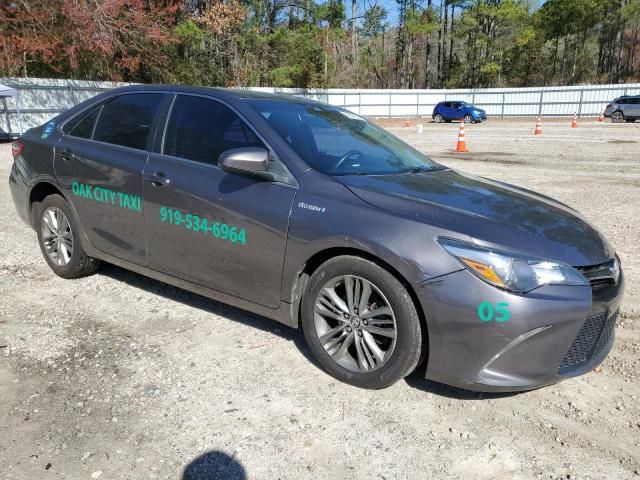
[
  {"x": 602, "y": 275},
  {"x": 591, "y": 340}
]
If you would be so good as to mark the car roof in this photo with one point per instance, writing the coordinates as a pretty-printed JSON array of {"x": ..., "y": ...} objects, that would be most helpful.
[{"x": 237, "y": 94}]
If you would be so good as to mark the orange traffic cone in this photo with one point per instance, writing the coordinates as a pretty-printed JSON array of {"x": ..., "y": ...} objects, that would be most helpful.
[
  {"x": 462, "y": 143},
  {"x": 407, "y": 123},
  {"x": 601, "y": 117},
  {"x": 574, "y": 124},
  {"x": 538, "y": 130}
]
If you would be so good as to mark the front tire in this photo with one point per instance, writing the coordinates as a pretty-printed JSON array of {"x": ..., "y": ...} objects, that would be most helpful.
[
  {"x": 468, "y": 118},
  {"x": 59, "y": 239},
  {"x": 360, "y": 323},
  {"x": 617, "y": 117}
]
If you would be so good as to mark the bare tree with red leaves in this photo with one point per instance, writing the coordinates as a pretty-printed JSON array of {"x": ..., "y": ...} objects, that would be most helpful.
[{"x": 88, "y": 38}]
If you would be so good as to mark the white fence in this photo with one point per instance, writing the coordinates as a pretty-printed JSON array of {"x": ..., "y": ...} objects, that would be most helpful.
[{"x": 40, "y": 99}]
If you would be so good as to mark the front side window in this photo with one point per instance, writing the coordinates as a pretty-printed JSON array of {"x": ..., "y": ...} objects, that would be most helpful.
[
  {"x": 338, "y": 142},
  {"x": 200, "y": 129},
  {"x": 126, "y": 120}
]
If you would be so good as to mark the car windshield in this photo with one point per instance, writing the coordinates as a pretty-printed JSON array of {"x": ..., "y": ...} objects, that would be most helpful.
[{"x": 338, "y": 142}]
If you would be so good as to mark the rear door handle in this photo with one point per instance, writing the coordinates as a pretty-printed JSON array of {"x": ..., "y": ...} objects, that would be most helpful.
[
  {"x": 66, "y": 154},
  {"x": 157, "y": 179}
]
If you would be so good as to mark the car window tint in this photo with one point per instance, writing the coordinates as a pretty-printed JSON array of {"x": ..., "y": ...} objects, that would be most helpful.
[
  {"x": 200, "y": 129},
  {"x": 635, "y": 101},
  {"x": 446, "y": 104},
  {"x": 126, "y": 120},
  {"x": 82, "y": 126},
  {"x": 622, "y": 101}
]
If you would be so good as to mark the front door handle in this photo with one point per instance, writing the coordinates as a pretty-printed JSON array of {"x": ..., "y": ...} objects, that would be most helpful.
[{"x": 157, "y": 179}]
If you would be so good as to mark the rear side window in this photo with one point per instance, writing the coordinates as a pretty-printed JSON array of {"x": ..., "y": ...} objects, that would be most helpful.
[
  {"x": 634, "y": 101},
  {"x": 82, "y": 126},
  {"x": 200, "y": 129},
  {"x": 127, "y": 119}
]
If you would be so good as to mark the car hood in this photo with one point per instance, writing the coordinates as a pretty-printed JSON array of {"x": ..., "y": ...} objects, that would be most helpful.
[{"x": 487, "y": 212}]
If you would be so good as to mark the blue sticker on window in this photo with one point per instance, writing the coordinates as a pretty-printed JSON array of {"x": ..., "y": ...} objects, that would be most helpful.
[{"x": 48, "y": 130}]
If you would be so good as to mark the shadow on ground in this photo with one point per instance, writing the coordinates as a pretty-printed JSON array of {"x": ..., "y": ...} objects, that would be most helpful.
[
  {"x": 415, "y": 380},
  {"x": 208, "y": 305},
  {"x": 214, "y": 465}
]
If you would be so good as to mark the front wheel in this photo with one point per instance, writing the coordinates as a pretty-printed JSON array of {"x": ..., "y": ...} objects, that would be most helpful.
[
  {"x": 360, "y": 323},
  {"x": 468, "y": 118},
  {"x": 617, "y": 117}
]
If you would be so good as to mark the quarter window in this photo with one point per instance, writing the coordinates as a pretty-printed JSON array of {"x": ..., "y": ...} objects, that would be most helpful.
[
  {"x": 200, "y": 129},
  {"x": 127, "y": 119},
  {"x": 82, "y": 126}
]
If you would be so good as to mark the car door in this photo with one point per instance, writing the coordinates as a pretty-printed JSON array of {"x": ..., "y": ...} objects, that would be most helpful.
[
  {"x": 457, "y": 112},
  {"x": 633, "y": 109},
  {"x": 446, "y": 110},
  {"x": 99, "y": 162},
  {"x": 221, "y": 230}
]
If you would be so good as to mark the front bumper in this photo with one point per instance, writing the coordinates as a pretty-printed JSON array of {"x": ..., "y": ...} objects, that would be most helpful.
[{"x": 536, "y": 346}]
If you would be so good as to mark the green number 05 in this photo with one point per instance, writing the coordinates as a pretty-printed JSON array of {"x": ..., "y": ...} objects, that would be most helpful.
[{"x": 486, "y": 312}]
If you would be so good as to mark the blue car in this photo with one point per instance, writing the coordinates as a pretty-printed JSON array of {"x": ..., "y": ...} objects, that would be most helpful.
[{"x": 458, "y": 110}]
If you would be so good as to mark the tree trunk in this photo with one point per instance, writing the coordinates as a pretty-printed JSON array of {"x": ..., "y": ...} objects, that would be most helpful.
[
  {"x": 427, "y": 48},
  {"x": 448, "y": 76}
]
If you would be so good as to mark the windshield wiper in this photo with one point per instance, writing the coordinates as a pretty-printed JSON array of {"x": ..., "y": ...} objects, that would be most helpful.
[{"x": 417, "y": 170}]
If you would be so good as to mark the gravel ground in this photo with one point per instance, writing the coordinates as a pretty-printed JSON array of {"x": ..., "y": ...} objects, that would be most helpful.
[{"x": 116, "y": 376}]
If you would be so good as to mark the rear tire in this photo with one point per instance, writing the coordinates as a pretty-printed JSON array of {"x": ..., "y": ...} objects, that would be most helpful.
[
  {"x": 347, "y": 339},
  {"x": 438, "y": 118},
  {"x": 59, "y": 239}
]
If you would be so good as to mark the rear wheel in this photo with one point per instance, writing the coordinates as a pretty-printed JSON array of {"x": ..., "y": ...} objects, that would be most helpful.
[
  {"x": 438, "y": 118},
  {"x": 360, "y": 323},
  {"x": 617, "y": 117},
  {"x": 59, "y": 239}
]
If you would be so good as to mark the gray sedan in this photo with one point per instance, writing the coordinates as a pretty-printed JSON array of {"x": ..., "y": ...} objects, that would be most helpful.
[{"x": 312, "y": 216}]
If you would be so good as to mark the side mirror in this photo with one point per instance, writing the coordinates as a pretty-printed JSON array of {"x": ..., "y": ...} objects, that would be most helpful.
[{"x": 246, "y": 160}]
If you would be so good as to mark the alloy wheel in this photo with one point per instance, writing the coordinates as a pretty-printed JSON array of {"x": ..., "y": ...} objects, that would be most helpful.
[
  {"x": 355, "y": 323},
  {"x": 617, "y": 117},
  {"x": 57, "y": 237}
]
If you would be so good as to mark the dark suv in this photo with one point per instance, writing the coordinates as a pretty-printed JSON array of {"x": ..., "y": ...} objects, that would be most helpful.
[{"x": 624, "y": 109}]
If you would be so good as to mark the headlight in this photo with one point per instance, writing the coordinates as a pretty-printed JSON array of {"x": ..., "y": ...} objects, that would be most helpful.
[{"x": 517, "y": 273}]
